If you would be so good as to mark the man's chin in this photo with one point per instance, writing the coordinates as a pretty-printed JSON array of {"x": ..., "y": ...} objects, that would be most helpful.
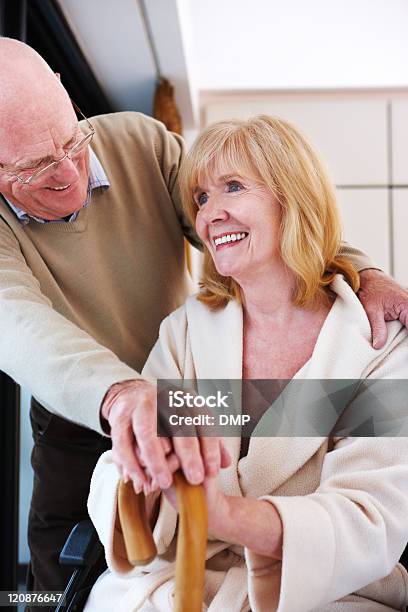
[{"x": 62, "y": 204}]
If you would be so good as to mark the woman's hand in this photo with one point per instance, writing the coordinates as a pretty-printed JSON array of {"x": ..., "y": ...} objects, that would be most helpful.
[
  {"x": 217, "y": 504},
  {"x": 252, "y": 523}
]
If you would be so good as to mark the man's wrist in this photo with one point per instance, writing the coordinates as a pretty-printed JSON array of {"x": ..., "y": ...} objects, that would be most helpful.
[{"x": 110, "y": 398}]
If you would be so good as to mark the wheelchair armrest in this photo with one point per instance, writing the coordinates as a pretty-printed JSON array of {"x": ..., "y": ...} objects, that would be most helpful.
[
  {"x": 404, "y": 558},
  {"x": 82, "y": 547},
  {"x": 85, "y": 553}
]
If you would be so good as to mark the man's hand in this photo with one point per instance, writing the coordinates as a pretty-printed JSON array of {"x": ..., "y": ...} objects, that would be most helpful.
[
  {"x": 383, "y": 300},
  {"x": 131, "y": 411}
]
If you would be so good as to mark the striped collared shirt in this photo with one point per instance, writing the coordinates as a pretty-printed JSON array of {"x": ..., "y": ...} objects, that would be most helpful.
[{"x": 97, "y": 178}]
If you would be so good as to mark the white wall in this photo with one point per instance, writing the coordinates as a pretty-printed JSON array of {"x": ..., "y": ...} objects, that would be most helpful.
[
  {"x": 113, "y": 39},
  {"x": 268, "y": 44}
]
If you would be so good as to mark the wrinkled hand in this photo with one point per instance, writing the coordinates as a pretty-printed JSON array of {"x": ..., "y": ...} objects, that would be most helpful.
[
  {"x": 217, "y": 504},
  {"x": 139, "y": 453},
  {"x": 383, "y": 300}
]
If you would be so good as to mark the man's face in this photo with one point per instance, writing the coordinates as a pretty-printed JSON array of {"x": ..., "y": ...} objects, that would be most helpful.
[{"x": 30, "y": 146}]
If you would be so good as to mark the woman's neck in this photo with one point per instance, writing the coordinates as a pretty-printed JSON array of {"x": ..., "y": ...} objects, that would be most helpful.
[
  {"x": 269, "y": 296},
  {"x": 268, "y": 301}
]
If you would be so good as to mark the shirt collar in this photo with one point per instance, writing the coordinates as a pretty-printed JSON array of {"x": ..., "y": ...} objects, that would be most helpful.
[{"x": 97, "y": 178}]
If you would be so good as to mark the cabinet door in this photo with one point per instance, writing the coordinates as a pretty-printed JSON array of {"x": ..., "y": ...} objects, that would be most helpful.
[
  {"x": 351, "y": 134},
  {"x": 400, "y": 223},
  {"x": 365, "y": 215},
  {"x": 399, "y": 122}
]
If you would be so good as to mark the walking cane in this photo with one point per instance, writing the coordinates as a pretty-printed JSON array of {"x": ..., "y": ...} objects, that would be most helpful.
[{"x": 191, "y": 539}]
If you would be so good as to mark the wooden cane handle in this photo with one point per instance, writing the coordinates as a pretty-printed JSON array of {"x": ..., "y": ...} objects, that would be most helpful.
[
  {"x": 137, "y": 535},
  {"x": 191, "y": 539},
  {"x": 191, "y": 545}
]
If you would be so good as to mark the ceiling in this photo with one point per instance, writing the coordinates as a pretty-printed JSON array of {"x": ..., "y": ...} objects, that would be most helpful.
[{"x": 239, "y": 45}]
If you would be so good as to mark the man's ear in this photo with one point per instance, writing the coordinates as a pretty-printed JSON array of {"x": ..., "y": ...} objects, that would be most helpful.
[{"x": 57, "y": 74}]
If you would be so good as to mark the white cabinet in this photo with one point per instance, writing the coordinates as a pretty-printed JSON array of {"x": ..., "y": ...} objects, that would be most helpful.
[
  {"x": 400, "y": 229},
  {"x": 351, "y": 134},
  {"x": 399, "y": 121},
  {"x": 365, "y": 216}
]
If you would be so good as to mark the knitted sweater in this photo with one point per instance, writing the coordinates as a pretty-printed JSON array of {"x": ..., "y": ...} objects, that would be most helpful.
[{"x": 81, "y": 302}]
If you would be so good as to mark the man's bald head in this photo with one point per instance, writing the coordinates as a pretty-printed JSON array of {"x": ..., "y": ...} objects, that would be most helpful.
[
  {"x": 28, "y": 88},
  {"x": 38, "y": 125}
]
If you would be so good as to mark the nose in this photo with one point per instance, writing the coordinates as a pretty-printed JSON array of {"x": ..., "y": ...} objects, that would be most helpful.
[
  {"x": 214, "y": 211},
  {"x": 66, "y": 171}
]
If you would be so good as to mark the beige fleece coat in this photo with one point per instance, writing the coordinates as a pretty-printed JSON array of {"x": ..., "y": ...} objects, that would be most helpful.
[{"x": 344, "y": 512}]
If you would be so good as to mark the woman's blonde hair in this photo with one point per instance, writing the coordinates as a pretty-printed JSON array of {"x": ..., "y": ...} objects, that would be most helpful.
[{"x": 276, "y": 154}]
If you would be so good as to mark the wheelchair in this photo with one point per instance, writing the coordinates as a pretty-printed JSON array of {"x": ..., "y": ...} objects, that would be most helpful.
[{"x": 84, "y": 552}]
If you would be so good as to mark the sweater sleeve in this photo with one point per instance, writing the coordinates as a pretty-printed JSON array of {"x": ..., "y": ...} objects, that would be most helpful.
[
  {"x": 351, "y": 531},
  {"x": 360, "y": 260},
  {"x": 170, "y": 149},
  {"x": 64, "y": 367}
]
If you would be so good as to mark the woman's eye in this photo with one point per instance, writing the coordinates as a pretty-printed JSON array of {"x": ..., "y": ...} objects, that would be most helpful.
[
  {"x": 202, "y": 199},
  {"x": 234, "y": 186}
]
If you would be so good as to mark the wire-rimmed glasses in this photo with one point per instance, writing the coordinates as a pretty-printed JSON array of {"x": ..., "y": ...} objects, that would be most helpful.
[{"x": 28, "y": 177}]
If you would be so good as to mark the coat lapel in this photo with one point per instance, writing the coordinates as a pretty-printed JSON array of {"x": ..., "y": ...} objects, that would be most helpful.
[
  {"x": 216, "y": 346},
  {"x": 216, "y": 339}
]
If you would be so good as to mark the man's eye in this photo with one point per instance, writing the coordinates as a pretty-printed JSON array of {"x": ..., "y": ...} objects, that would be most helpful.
[
  {"x": 234, "y": 186},
  {"x": 202, "y": 199},
  {"x": 29, "y": 170}
]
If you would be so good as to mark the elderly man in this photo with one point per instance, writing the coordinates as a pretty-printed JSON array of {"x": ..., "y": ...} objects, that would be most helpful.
[{"x": 91, "y": 260}]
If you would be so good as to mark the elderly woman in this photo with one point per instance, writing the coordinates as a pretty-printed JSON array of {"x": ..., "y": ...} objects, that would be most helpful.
[{"x": 295, "y": 524}]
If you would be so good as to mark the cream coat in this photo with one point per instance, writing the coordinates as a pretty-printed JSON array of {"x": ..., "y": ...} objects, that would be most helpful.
[{"x": 344, "y": 512}]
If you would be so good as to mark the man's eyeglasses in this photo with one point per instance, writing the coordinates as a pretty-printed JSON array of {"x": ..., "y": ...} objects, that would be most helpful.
[{"x": 28, "y": 177}]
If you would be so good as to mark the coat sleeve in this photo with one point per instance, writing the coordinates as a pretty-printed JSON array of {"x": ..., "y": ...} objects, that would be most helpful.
[
  {"x": 38, "y": 345},
  {"x": 351, "y": 531},
  {"x": 170, "y": 150},
  {"x": 165, "y": 361},
  {"x": 102, "y": 508}
]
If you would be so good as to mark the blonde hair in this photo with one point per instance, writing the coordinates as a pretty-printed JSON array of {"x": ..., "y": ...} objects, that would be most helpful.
[{"x": 273, "y": 152}]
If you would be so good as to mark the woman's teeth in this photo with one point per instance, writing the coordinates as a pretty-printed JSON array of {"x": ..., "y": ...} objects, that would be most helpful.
[{"x": 230, "y": 238}]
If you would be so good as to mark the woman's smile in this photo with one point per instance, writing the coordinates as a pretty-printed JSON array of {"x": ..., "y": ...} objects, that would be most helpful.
[{"x": 228, "y": 239}]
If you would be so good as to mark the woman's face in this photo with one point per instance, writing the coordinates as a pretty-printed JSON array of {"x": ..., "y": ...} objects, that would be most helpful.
[{"x": 238, "y": 220}]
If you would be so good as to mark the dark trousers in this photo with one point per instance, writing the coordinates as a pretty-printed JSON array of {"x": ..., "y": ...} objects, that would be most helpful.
[{"x": 63, "y": 458}]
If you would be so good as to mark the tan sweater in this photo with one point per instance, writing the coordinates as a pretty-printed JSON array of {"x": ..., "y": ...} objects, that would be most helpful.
[
  {"x": 344, "y": 512},
  {"x": 68, "y": 290},
  {"x": 81, "y": 303}
]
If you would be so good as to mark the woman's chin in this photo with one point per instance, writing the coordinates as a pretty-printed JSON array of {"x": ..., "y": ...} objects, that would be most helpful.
[{"x": 227, "y": 270}]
